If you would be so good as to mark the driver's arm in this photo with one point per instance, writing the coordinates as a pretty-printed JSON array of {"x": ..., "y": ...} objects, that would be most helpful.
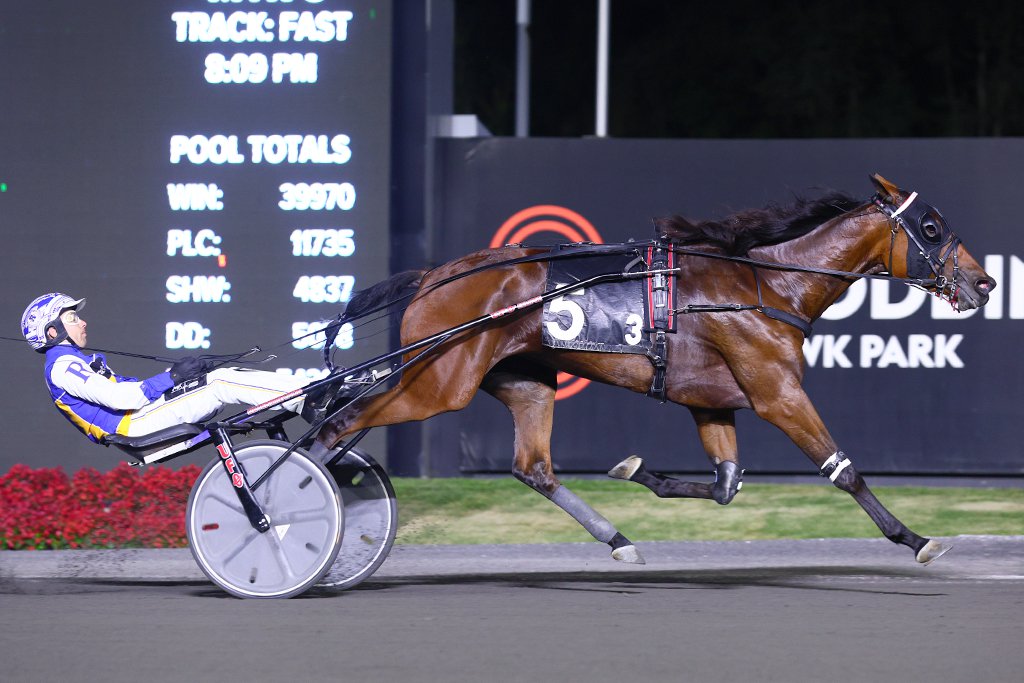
[{"x": 78, "y": 379}]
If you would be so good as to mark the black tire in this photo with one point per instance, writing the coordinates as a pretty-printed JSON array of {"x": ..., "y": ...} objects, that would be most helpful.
[{"x": 371, "y": 519}]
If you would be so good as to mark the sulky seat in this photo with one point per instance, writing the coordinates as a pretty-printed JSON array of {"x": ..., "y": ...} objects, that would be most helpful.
[{"x": 157, "y": 445}]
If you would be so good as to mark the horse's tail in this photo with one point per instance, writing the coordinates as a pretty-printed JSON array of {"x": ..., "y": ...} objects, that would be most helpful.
[
  {"x": 381, "y": 296},
  {"x": 384, "y": 294}
]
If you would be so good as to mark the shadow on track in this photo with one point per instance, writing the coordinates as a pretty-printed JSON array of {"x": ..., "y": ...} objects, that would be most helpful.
[{"x": 802, "y": 578}]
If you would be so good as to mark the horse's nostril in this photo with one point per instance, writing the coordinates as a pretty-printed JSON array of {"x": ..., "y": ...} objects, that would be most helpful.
[{"x": 984, "y": 285}]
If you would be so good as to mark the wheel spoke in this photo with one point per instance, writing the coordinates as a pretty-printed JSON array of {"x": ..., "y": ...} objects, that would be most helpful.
[
  {"x": 231, "y": 503},
  {"x": 244, "y": 543},
  {"x": 279, "y": 555},
  {"x": 266, "y": 492},
  {"x": 300, "y": 516}
]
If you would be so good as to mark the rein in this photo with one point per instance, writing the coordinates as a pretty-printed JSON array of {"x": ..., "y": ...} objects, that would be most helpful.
[
  {"x": 217, "y": 359},
  {"x": 935, "y": 258},
  {"x": 774, "y": 265},
  {"x": 936, "y": 263},
  {"x": 590, "y": 249},
  {"x": 587, "y": 249},
  {"x": 775, "y": 313}
]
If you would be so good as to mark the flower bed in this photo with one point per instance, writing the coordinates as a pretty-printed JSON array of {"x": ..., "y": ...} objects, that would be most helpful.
[{"x": 124, "y": 508}]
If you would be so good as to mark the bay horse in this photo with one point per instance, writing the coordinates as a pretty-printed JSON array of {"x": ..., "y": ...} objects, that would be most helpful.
[{"x": 717, "y": 362}]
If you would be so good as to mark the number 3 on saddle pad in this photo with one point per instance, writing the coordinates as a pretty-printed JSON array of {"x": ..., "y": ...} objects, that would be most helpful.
[{"x": 585, "y": 323}]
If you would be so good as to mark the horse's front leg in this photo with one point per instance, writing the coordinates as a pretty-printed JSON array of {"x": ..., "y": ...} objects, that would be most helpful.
[
  {"x": 528, "y": 390},
  {"x": 791, "y": 411},
  {"x": 717, "y": 430}
]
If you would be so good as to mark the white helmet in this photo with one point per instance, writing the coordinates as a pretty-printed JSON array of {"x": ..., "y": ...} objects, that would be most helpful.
[{"x": 42, "y": 314}]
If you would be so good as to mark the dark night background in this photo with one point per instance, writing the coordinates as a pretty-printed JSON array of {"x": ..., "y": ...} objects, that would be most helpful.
[
  {"x": 713, "y": 107},
  {"x": 786, "y": 69}
]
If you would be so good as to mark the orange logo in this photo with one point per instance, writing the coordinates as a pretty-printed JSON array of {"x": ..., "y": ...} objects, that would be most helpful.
[{"x": 561, "y": 221}]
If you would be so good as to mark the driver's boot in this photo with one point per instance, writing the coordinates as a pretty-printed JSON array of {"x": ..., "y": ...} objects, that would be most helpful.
[{"x": 324, "y": 401}]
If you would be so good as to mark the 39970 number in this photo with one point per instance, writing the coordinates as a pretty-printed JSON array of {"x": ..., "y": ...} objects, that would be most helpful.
[{"x": 317, "y": 196}]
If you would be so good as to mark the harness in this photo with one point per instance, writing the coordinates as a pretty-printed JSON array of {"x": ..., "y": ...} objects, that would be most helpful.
[
  {"x": 930, "y": 245},
  {"x": 660, "y": 289},
  {"x": 774, "y": 313},
  {"x": 632, "y": 314}
]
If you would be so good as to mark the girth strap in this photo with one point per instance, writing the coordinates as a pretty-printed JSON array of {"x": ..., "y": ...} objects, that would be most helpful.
[
  {"x": 783, "y": 316},
  {"x": 658, "y": 357},
  {"x": 776, "y": 314},
  {"x": 661, "y": 288}
]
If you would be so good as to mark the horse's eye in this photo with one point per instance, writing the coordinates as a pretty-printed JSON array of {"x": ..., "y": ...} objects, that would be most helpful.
[{"x": 930, "y": 230}]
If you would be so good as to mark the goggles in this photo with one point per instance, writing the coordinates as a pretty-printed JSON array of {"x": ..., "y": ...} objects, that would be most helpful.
[{"x": 70, "y": 318}]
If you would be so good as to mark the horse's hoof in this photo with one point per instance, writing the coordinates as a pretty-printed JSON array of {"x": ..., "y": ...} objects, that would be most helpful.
[
  {"x": 626, "y": 469},
  {"x": 628, "y": 553},
  {"x": 932, "y": 551}
]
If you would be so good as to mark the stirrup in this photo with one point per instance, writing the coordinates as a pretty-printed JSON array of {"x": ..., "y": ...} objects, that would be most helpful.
[
  {"x": 318, "y": 406},
  {"x": 363, "y": 378}
]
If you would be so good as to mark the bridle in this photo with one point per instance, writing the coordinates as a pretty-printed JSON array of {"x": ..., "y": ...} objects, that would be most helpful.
[{"x": 930, "y": 243}]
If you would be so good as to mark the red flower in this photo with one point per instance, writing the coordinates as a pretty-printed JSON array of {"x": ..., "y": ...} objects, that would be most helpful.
[{"x": 124, "y": 508}]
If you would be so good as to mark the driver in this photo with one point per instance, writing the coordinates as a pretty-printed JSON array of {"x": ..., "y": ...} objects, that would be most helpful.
[{"x": 99, "y": 402}]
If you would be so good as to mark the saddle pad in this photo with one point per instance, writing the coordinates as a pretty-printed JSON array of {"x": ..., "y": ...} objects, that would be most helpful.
[{"x": 610, "y": 317}]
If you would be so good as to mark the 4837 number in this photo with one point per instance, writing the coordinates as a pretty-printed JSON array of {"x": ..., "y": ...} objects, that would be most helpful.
[{"x": 329, "y": 289}]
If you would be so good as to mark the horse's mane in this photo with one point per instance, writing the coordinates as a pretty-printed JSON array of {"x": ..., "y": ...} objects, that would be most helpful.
[{"x": 742, "y": 231}]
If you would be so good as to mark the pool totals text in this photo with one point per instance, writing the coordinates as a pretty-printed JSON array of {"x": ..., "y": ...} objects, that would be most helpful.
[{"x": 299, "y": 165}]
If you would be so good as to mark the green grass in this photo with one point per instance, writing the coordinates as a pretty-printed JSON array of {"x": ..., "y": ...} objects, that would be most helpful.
[{"x": 467, "y": 511}]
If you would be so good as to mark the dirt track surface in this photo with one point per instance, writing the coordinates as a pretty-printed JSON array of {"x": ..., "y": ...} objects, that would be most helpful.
[{"x": 845, "y": 610}]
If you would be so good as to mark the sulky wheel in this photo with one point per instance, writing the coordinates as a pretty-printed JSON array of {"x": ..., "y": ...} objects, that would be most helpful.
[
  {"x": 371, "y": 519},
  {"x": 305, "y": 511}
]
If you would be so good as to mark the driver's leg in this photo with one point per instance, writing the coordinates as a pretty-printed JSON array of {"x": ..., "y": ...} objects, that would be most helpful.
[{"x": 224, "y": 386}]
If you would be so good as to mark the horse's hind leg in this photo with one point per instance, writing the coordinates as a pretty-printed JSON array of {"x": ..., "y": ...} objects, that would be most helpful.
[
  {"x": 528, "y": 390},
  {"x": 717, "y": 429}
]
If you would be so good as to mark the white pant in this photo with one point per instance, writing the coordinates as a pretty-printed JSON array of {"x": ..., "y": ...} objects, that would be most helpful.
[{"x": 224, "y": 386}]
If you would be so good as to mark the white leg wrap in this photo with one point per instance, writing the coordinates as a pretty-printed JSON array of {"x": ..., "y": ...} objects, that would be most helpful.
[
  {"x": 842, "y": 466},
  {"x": 836, "y": 463}
]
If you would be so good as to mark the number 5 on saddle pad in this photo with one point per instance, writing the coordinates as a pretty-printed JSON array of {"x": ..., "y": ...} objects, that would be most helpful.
[{"x": 611, "y": 317}]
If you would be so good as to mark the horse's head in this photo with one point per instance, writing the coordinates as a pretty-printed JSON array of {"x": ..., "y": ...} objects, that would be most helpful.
[{"x": 922, "y": 246}]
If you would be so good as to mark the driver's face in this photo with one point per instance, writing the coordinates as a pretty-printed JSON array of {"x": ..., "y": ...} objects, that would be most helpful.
[{"x": 75, "y": 326}]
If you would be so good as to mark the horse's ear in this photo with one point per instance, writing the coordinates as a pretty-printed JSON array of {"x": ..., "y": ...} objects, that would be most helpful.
[{"x": 885, "y": 187}]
